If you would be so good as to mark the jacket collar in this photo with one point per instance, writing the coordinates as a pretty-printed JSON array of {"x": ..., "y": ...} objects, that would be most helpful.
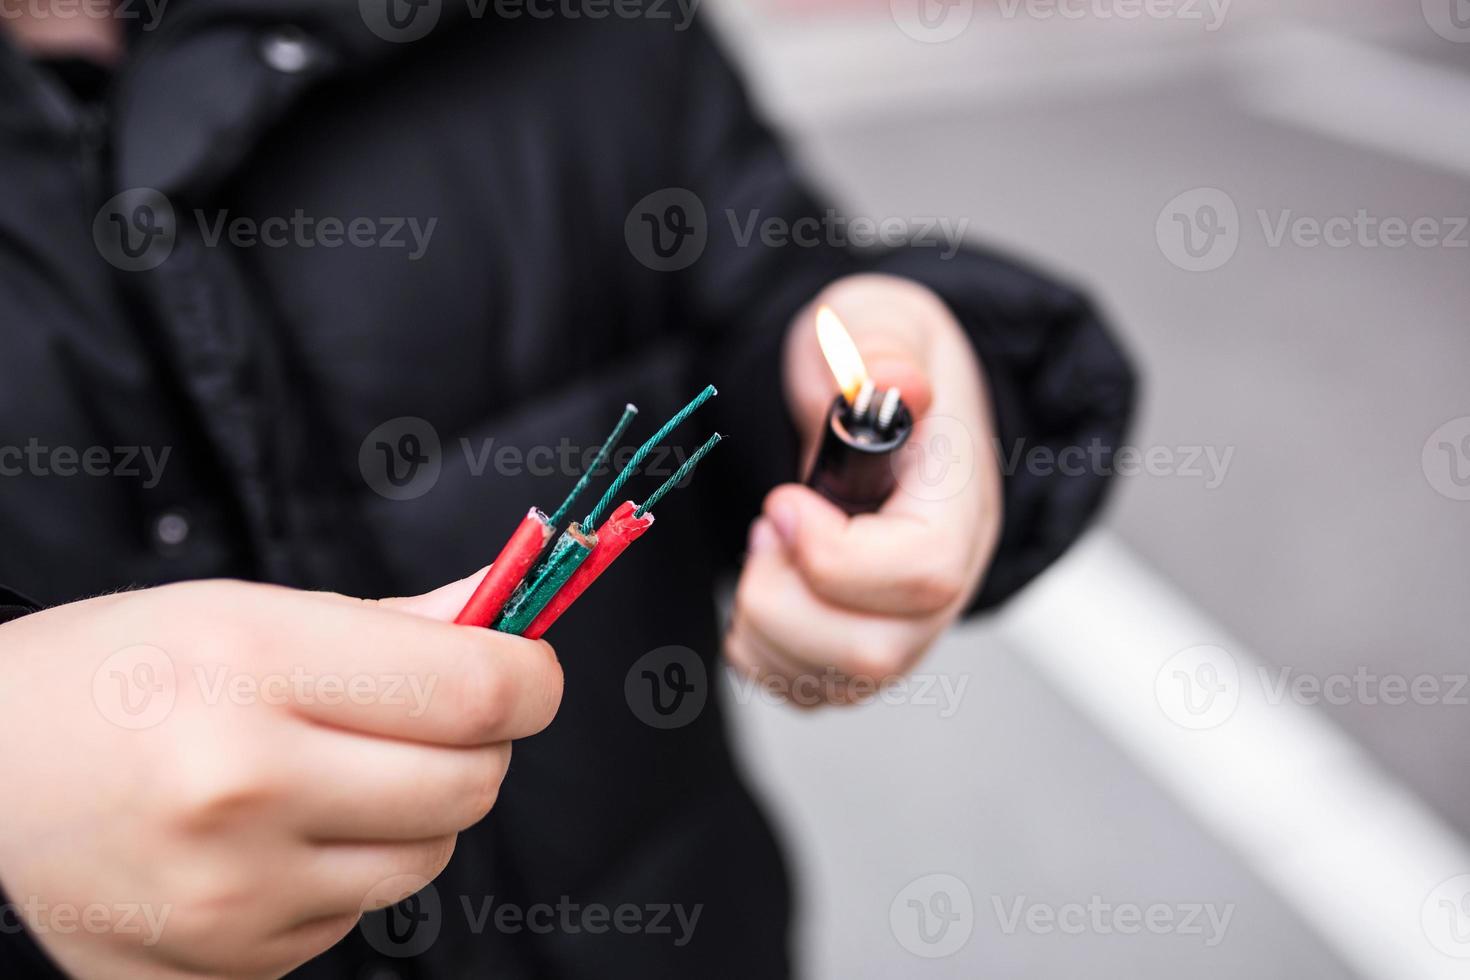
[
  {"x": 203, "y": 79},
  {"x": 202, "y": 87}
]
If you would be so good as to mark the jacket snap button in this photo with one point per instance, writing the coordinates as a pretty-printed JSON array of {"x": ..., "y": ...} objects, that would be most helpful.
[
  {"x": 288, "y": 51},
  {"x": 171, "y": 529}
]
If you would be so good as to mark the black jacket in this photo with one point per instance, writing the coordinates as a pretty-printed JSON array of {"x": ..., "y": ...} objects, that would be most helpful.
[{"x": 532, "y": 315}]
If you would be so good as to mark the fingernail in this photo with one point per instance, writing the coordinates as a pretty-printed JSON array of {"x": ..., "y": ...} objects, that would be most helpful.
[
  {"x": 783, "y": 516},
  {"x": 762, "y": 537}
]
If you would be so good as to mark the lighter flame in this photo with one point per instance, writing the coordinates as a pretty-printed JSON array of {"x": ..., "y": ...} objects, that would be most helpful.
[{"x": 841, "y": 353}]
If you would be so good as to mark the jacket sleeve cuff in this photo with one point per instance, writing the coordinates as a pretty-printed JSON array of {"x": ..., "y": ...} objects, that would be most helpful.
[
  {"x": 1061, "y": 389},
  {"x": 13, "y": 605}
]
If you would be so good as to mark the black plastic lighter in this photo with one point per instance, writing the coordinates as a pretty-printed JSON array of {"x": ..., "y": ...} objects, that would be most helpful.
[{"x": 855, "y": 467}]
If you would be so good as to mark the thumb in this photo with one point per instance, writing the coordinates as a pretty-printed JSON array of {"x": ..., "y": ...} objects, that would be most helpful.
[
  {"x": 443, "y": 603},
  {"x": 892, "y": 367},
  {"x": 808, "y": 525}
]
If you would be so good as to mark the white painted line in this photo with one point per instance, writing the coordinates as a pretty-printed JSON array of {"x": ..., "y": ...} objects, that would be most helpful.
[{"x": 1350, "y": 849}]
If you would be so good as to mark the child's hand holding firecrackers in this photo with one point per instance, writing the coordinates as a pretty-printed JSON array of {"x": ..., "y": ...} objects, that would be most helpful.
[
  {"x": 825, "y": 599},
  {"x": 271, "y": 764}
]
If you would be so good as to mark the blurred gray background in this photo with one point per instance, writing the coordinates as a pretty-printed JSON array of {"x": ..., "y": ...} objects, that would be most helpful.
[{"x": 1064, "y": 784}]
